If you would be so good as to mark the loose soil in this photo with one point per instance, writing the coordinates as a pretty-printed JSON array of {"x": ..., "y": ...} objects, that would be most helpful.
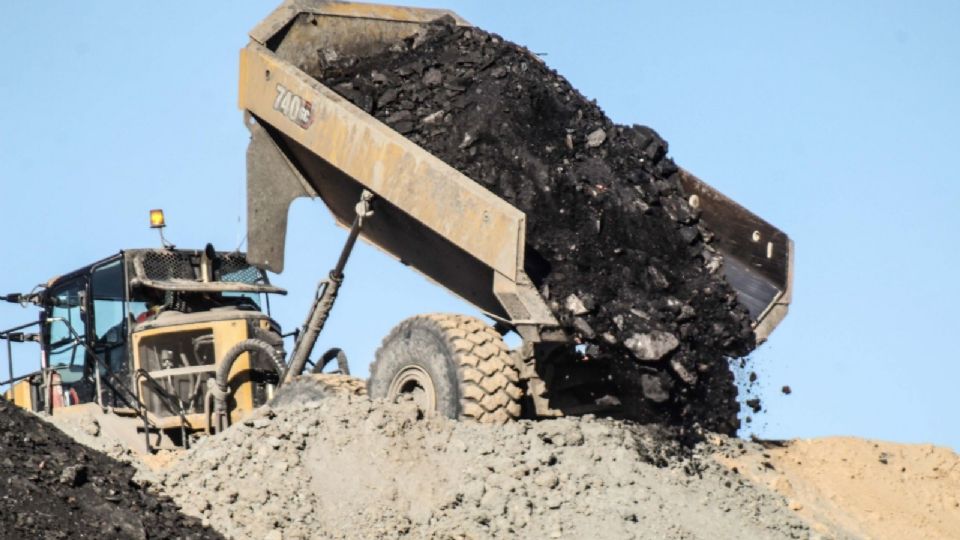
[
  {"x": 347, "y": 467},
  {"x": 321, "y": 465},
  {"x": 613, "y": 245},
  {"x": 54, "y": 487}
]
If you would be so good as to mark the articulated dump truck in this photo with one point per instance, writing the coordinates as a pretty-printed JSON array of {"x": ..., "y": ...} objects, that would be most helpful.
[
  {"x": 308, "y": 141},
  {"x": 160, "y": 345}
]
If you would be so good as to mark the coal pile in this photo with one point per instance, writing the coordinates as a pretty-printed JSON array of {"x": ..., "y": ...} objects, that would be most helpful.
[
  {"x": 54, "y": 487},
  {"x": 613, "y": 245}
]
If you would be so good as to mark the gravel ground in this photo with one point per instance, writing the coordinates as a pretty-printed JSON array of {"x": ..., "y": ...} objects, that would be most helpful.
[{"x": 346, "y": 467}]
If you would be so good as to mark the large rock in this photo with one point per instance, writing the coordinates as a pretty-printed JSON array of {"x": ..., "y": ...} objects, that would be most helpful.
[{"x": 652, "y": 345}]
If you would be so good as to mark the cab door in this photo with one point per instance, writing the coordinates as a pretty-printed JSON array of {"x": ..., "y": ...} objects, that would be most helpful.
[
  {"x": 109, "y": 329},
  {"x": 65, "y": 342}
]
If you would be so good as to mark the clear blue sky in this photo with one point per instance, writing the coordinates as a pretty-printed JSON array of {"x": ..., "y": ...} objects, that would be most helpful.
[{"x": 837, "y": 122}]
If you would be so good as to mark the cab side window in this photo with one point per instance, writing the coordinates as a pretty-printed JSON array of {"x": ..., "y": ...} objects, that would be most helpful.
[
  {"x": 64, "y": 349},
  {"x": 107, "y": 295},
  {"x": 109, "y": 321}
]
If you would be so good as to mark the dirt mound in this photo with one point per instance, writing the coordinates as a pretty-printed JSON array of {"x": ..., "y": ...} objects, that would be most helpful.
[
  {"x": 860, "y": 488},
  {"x": 346, "y": 467},
  {"x": 53, "y": 487},
  {"x": 612, "y": 242}
]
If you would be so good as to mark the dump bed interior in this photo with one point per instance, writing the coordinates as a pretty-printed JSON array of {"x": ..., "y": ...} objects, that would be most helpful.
[{"x": 309, "y": 141}]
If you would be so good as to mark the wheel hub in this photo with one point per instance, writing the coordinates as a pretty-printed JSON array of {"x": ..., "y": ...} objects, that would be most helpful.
[{"x": 415, "y": 384}]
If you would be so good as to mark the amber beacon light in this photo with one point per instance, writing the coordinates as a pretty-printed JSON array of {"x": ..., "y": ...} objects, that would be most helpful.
[{"x": 156, "y": 219}]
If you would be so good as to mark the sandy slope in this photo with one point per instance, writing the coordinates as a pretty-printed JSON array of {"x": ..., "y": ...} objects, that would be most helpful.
[{"x": 846, "y": 486}]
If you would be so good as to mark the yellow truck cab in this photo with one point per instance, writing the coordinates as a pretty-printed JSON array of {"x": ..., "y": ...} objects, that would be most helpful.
[{"x": 141, "y": 334}]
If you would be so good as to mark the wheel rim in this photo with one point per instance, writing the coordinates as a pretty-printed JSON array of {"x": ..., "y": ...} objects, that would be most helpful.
[{"x": 414, "y": 382}]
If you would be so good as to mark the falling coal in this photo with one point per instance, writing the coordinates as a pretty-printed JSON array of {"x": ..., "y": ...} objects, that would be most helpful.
[{"x": 612, "y": 244}]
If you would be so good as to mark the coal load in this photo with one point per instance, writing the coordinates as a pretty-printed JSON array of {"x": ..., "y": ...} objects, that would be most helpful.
[
  {"x": 612, "y": 243},
  {"x": 54, "y": 487}
]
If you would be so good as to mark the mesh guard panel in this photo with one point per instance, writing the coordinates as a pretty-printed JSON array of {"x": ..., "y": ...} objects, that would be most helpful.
[
  {"x": 166, "y": 265},
  {"x": 181, "y": 270},
  {"x": 235, "y": 268}
]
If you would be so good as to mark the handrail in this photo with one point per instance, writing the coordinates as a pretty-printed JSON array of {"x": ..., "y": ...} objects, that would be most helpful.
[
  {"x": 141, "y": 407},
  {"x": 13, "y": 334},
  {"x": 166, "y": 399}
]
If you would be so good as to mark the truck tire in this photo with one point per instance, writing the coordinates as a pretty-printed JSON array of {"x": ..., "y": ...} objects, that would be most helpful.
[{"x": 455, "y": 365}]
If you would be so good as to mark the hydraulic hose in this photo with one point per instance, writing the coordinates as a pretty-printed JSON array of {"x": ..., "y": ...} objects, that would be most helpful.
[
  {"x": 335, "y": 353},
  {"x": 221, "y": 388}
]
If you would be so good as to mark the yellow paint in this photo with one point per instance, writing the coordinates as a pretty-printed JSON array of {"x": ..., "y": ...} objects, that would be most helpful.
[
  {"x": 19, "y": 395},
  {"x": 226, "y": 334},
  {"x": 386, "y": 162}
]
